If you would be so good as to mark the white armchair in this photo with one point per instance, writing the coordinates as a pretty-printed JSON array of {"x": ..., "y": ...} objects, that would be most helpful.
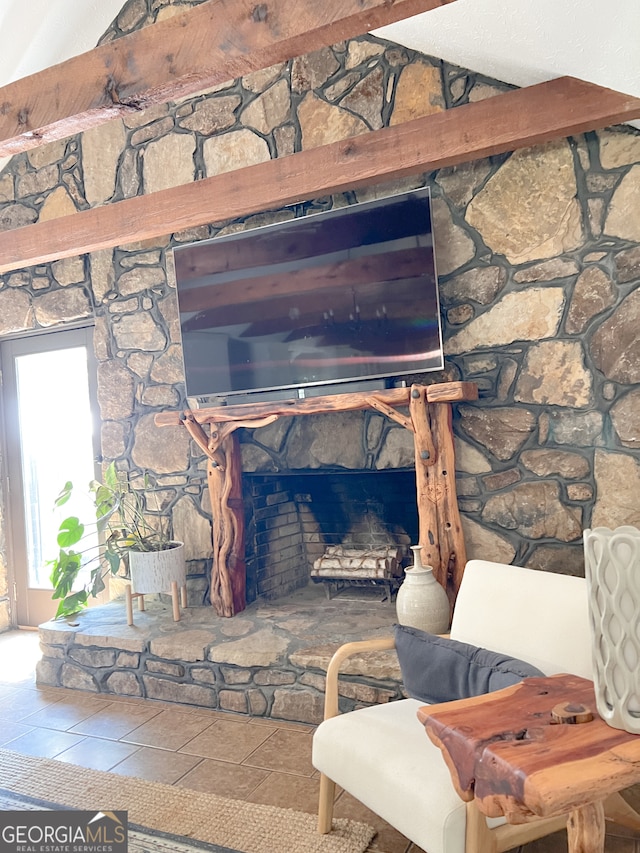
[{"x": 381, "y": 754}]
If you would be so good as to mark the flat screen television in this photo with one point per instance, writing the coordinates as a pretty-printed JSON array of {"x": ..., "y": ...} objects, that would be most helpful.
[{"x": 313, "y": 304}]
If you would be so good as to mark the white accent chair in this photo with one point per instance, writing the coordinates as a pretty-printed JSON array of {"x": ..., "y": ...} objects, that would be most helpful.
[{"x": 382, "y": 756}]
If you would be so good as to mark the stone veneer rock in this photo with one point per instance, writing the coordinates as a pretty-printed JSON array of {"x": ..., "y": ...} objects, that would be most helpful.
[
  {"x": 539, "y": 268},
  {"x": 268, "y": 662}
]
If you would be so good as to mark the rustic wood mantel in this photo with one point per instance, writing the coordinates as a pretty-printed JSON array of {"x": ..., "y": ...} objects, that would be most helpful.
[{"x": 429, "y": 419}]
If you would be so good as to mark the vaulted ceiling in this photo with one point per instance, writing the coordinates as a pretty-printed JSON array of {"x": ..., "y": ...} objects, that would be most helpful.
[
  {"x": 520, "y": 42},
  {"x": 222, "y": 39}
]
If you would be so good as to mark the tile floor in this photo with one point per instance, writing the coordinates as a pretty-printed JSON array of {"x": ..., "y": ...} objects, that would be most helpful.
[
  {"x": 255, "y": 760},
  {"x": 222, "y": 753}
]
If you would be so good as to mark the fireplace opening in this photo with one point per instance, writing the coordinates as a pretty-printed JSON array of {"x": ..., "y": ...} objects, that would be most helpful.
[{"x": 291, "y": 520}]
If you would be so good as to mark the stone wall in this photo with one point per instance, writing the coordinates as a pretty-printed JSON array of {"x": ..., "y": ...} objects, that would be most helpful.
[{"x": 538, "y": 255}]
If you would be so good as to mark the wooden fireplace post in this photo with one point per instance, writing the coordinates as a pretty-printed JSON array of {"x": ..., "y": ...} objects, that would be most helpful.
[
  {"x": 429, "y": 419},
  {"x": 224, "y": 479},
  {"x": 228, "y": 572},
  {"x": 439, "y": 524}
]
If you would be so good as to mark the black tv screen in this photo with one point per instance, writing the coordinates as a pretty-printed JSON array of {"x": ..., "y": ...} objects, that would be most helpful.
[{"x": 335, "y": 297}]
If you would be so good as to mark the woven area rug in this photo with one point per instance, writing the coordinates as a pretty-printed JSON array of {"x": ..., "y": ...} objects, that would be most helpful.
[
  {"x": 164, "y": 816},
  {"x": 139, "y": 839}
]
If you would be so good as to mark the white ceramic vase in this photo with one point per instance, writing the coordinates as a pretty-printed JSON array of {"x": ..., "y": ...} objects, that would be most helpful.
[
  {"x": 154, "y": 571},
  {"x": 421, "y": 601},
  {"x": 612, "y": 569}
]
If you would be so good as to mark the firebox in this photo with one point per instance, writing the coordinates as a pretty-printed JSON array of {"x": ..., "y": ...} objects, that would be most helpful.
[{"x": 291, "y": 519}]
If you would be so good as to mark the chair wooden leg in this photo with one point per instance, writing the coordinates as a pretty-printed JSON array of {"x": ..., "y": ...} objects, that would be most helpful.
[{"x": 325, "y": 804}]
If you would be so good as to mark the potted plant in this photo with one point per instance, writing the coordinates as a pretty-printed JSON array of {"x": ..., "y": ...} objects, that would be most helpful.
[{"x": 128, "y": 539}]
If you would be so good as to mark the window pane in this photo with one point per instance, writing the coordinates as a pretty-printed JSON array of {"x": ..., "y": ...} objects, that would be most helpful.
[{"x": 56, "y": 438}]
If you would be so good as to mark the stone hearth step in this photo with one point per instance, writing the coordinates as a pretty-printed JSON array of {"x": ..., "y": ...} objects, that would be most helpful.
[{"x": 268, "y": 661}]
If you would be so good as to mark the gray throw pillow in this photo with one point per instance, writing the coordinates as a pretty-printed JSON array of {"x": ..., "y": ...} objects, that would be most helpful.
[{"x": 436, "y": 669}]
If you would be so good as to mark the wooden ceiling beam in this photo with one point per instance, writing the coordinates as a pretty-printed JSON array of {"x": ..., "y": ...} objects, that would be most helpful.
[
  {"x": 200, "y": 48},
  {"x": 515, "y": 119}
]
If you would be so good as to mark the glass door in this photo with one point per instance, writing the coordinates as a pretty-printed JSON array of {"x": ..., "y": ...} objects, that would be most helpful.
[{"x": 51, "y": 437}]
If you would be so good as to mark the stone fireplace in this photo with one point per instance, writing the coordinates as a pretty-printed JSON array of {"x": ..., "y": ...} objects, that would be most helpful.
[
  {"x": 406, "y": 429},
  {"x": 542, "y": 315}
]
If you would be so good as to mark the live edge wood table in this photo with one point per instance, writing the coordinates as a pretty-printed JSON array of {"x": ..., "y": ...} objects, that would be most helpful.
[{"x": 504, "y": 750}]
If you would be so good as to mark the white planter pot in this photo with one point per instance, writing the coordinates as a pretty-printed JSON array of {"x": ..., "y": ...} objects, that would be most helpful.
[
  {"x": 612, "y": 569},
  {"x": 421, "y": 601},
  {"x": 155, "y": 571}
]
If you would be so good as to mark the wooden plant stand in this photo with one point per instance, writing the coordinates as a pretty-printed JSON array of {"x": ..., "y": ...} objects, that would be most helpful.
[
  {"x": 175, "y": 601},
  {"x": 429, "y": 419}
]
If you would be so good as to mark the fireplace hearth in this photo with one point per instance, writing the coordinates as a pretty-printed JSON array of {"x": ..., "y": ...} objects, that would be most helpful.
[{"x": 269, "y": 661}]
